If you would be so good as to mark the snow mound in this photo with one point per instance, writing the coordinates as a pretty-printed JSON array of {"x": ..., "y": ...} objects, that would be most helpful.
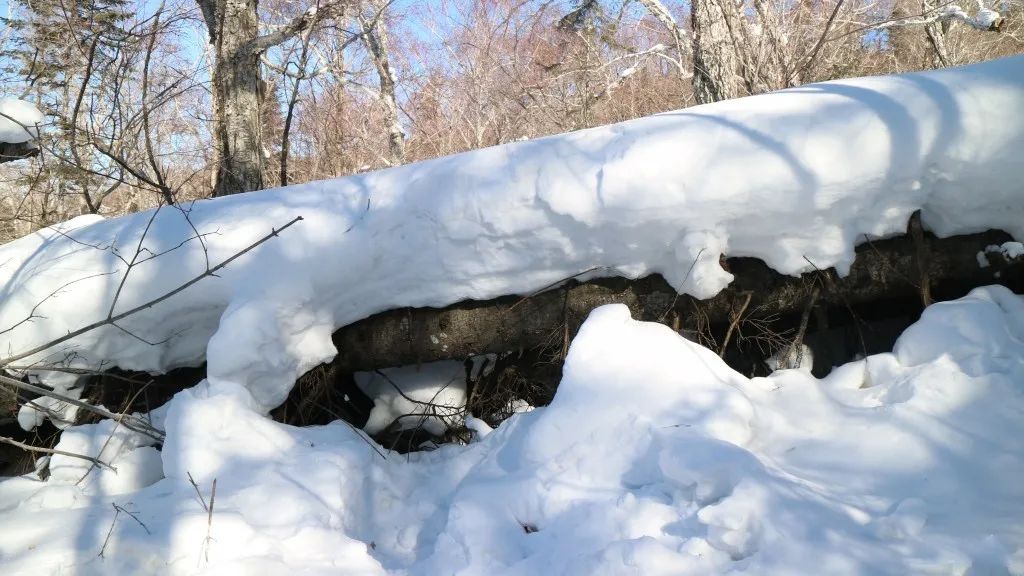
[
  {"x": 654, "y": 458},
  {"x": 796, "y": 178},
  {"x": 19, "y": 121}
]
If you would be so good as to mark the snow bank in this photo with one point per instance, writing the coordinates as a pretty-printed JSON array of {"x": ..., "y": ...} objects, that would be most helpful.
[
  {"x": 795, "y": 177},
  {"x": 654, "y": 458},
  {"x": 791, "y": 177},
  {"x": 19, "y": 121}
]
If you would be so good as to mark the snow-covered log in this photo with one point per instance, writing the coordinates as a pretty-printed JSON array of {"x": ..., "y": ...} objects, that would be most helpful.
[
  {"x": 883, "y": 271},
  {"x": 793, "y": 177},
  {"x": 19, "y": 126}
]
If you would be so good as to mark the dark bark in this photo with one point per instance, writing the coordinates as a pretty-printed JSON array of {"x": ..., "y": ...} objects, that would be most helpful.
[
  {"x": 884, "y": 270},
  {"x": 238, "y": 87},
  {"x": 714, "y": 58},
  {"x": 238, "y": 91},
  {"x": 10, "y": 152},
  {"x": 293, "y": 100}
]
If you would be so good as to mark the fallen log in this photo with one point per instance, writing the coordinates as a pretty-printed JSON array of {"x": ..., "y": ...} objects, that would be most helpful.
[
  {"x": 883, "y": 270},
  {"x": 9, "y": 152}
]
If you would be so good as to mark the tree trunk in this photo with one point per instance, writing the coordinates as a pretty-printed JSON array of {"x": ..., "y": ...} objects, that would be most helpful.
[
  {"x": 936, "y": 33},
  {"x": 292, "y": 102},
  {"x": 375, "y": 38},
  {"x": 238, "y": 89},
  {"x": 714, "y": 60},
  {"x": 238, "y": 97},
  {"x": 884, "y": 270}
]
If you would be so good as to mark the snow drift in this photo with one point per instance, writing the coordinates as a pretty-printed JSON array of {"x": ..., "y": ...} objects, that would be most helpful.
[
  {"x": 654, "y": 458},
  {"x": 792, "y": 177}
]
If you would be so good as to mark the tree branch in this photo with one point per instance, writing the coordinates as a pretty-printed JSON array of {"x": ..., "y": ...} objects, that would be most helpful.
[
  {"x": 114, "y": 319},
  {"x": 30, "y": 448},
  {"x": 293, "y": 28}
]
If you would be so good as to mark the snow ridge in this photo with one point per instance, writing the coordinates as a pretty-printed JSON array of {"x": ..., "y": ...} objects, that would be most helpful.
[{"x": 795, "y": 178}]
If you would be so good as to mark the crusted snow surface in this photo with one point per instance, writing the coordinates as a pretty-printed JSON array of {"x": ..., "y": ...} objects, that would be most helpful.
[
  {"x": 654, "y": 458},
  {"x": 19, "y": 121},
  {"x": 796, "y": 178}
]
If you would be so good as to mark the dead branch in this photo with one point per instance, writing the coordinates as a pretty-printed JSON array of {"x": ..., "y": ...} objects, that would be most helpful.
[
  {"x": 735, "y": 322},
  {"x": 131, "y": 422},
  {"x": 42, "y": 450},
  {"x": 113, "y": 319}
]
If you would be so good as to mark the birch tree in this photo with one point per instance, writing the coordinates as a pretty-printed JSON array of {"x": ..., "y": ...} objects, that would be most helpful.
[{"x": 375, "y": 38}]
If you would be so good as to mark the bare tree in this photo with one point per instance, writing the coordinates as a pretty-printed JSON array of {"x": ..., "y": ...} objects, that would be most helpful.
[
  {"x": 239, "y": 93},
  {"x": 375, "y": 38}
]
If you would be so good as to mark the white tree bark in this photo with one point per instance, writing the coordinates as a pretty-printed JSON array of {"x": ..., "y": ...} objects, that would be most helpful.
[{"x": 375, "y": 38}]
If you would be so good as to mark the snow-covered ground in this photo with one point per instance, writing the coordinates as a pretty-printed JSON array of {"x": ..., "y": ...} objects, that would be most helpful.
[{"x": 654, "y": 458}]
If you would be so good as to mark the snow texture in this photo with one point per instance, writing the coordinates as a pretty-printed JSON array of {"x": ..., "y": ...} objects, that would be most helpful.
[
  {"x": 402, "y": 395},
  {"x": 1010, "y": 251},
  {"x": 796, "y": 178},
  {"x": 654, "y": 458},
  {"x": 19, "y": 121}
]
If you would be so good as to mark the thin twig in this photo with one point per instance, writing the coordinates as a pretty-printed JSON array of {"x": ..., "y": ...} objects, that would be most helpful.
[
  {"x": 735, "y": 321},
  {"x": 110, "y": 436},
  {"x": 198, "y": 493},
  {"x": 128, "y": 421},
  {"x": 117, "y": 512},
  {"x": 555, "y": 284},
  {"x": 685, "y": 278},
  {"x": 209, "y": 520},
  {"x": 846, "y": 302},
  {"x": 133, "y": 516},
  {"x": 30, "y": 448},
  {"x": 113, "y": 319},
  {"x": 817, "y": 47},
  {"x": 794, "y": 358}
]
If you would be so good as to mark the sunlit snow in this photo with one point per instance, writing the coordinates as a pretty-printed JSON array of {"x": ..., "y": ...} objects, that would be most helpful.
[{"x": 654, "y": 457}]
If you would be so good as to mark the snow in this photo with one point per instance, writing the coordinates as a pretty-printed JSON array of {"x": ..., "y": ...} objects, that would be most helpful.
[
  {"x": 430, "y": 396},
  {"x": 796, "y": 178},
  {"x": 802, "y": 358},
  {"x": 403, "y": 394},
  {"x": 1010, "y": 251},
  {"x": 19, "y": 121},
  {"x": 653, "y": 458},
  {"x": 987, "y": 18}
]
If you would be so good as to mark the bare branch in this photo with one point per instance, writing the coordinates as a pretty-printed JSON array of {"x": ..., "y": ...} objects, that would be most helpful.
[
  {"x": 41, "y": 450},
  {"x": 114, "y": 319},
  {"x": 296, "y": 26}
]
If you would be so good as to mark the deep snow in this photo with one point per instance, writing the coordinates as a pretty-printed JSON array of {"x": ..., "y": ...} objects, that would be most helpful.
[
  {"x": 654, "y": 458},
  {"x": 796, "y": 178}
]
